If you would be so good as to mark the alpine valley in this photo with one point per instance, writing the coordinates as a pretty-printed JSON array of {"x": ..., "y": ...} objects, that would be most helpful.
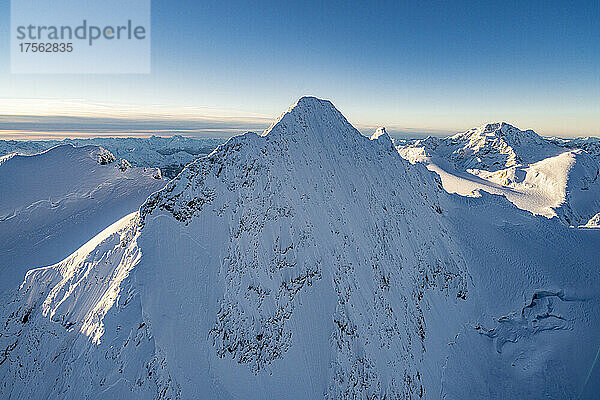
[{"x": 306, "y": 262}]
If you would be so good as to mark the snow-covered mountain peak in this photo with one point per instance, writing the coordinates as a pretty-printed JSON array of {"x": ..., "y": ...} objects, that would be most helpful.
[
  {"x": 313, "y": 118},
  {"x": 535, "y": 173},
  {"x": 310, "y": 262},
  {"x": 499, "y": 128},
  {"x": 379, "y": 132},
  {"x": 383, "y": 137},
  {"x": 311, "y": 102},
  {"x": 502, "y": 130}
]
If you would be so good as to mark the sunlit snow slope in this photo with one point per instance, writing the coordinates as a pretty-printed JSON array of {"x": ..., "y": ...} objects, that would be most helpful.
[
  {"x": 51, "y": 203},
  {"x": 311, "y": 263},
  {"x": 536, "y": 174}
]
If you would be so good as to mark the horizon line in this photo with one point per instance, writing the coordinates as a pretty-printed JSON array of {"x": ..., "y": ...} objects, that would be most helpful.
[{"x": 53, "y": 119}]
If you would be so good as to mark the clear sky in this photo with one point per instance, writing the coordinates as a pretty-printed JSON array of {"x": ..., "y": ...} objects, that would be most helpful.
[{"x": 412, "y": 66}]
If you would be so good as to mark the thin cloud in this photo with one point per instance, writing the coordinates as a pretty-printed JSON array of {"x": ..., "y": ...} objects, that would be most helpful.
[
  {"x": 57, "y": 118},
  {"x": 32, "y": 126}
]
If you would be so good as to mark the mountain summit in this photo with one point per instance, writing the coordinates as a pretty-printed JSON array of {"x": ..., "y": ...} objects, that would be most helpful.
[
  {"x": 314, "y": 118},
  {"x": 379, "y": 132}
]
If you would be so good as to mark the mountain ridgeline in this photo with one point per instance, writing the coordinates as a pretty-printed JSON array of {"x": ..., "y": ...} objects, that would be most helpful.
[{"x": 311, "y": 262}]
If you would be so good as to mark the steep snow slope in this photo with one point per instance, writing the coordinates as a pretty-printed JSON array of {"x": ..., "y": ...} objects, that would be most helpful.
[
  {"x": 76, "y": 331},
  {"x": 311, "y": 262},
  {"x": 566, "y": 185},
  {"x": 534, "y": 173},
  {"x": 53, "y": 202},
  {"x": 170, "y": 154}
]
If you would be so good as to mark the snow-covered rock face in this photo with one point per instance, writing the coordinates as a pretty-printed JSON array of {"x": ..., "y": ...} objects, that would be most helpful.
[
  {"x": 500, "y": 145},
  {"x": 310, "y": 262},
  {"x": 379, "y": 132},
  {"x": 53, "y": 202},
  {"x": 312, "y": 249}
]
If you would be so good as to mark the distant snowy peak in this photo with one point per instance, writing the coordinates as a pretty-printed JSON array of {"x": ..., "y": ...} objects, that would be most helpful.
[
  {"x": 549, "y": 177},
  {"x": 379, "y": 132},
  {"x": 499, "y": 145},
  {"x": 489, "y": 147},
  {"x": 497, "y": 129},
  {"x": 499, "y": 136},
  {"x": 170, "y": 154}
]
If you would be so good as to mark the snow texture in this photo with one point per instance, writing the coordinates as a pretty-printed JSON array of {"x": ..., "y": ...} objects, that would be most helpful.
[{"x": 53, "y": 202}]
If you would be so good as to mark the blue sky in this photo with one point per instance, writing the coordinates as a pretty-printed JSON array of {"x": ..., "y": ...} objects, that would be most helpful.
[{"x": 431, "y": 67}]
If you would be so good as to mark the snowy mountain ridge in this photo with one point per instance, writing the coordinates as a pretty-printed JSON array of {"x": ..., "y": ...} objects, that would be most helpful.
[
  {"x": 590, "y": 144},
  {"x": 489, "y": 147},
  {"x": 310, "y": 262},
  {"x": 543, "y": 176},
  {"x": 53, "y": 202}
]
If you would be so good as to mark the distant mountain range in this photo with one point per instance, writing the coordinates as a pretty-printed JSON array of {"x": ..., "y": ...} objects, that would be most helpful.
[
  {"x": 547, "y": 176},
  {"x": 170, "y": 154}
]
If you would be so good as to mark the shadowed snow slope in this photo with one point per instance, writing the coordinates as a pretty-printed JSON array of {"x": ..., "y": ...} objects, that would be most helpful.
[
  {"x": 311, "y": 262},
  {"x": 53, "y": 202}
]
